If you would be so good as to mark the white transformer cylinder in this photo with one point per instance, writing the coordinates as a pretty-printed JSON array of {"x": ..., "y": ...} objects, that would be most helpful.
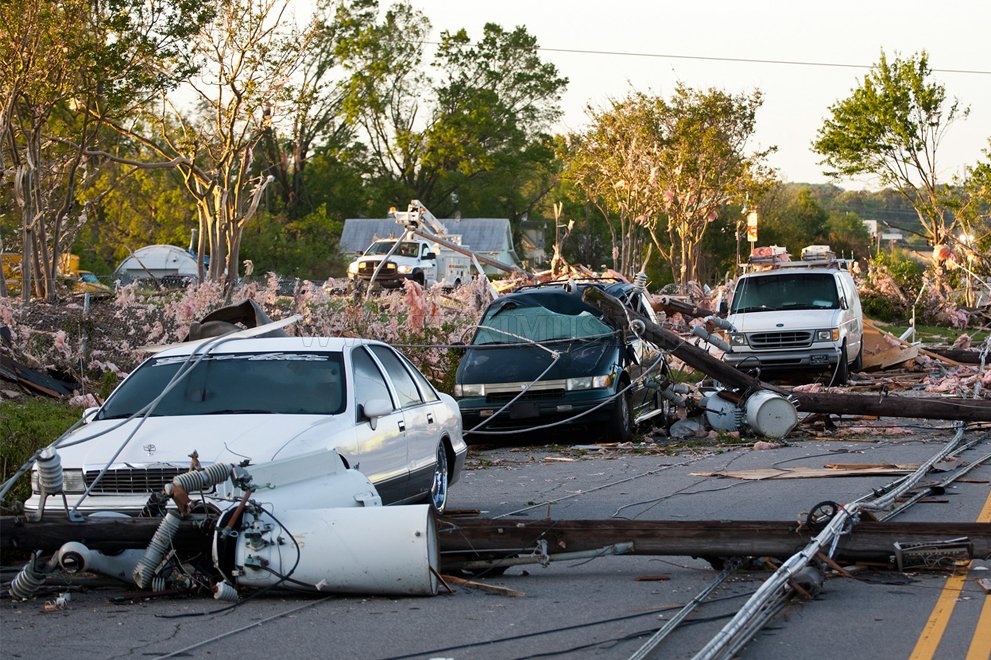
[
  {"x": 771, "y": 414},
  {"x": 375, "y": 550}
]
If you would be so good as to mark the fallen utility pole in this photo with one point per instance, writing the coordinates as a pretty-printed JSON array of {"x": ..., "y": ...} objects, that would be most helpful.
[
  {"x": 966, "y": 410},
  {"x": 961, "y": 355},
  {"x": 620, "y": 316},
  {"x": 507, "y": 268},
  {"x": 460, "y": 539}
]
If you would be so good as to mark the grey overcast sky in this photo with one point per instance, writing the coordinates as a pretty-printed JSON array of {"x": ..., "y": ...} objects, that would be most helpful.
[{"x": 955, "y": 33}]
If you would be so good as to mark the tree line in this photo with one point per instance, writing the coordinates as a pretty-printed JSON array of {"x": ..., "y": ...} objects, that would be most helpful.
[{"x": 129, "y": 122}]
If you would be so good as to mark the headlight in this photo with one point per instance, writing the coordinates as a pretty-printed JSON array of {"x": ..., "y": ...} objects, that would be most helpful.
[
  {"x": 589, "y": 382},
  {"x": 72, "y": 481},
  {"x": 469, "y": 389},
  {"x": 405, "y": 269},
  {"x": 828, "y": 335},
  {"x": 737, "y": 339}
]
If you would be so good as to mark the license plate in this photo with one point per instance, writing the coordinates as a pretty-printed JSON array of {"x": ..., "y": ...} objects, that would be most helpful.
[{"x": 524, "y": 410}]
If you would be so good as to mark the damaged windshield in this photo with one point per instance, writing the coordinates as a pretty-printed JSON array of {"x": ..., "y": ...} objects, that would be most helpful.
[
  {"x": 513, "y": 323},
  {"x": 771, "y": 293},
  {"x": 406, "y": 249},
  {"x": 243, "y": 383}
]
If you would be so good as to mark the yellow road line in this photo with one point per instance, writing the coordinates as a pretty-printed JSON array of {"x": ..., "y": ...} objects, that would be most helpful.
[
  {"x": 932, "y": 632},
  {"x": 980, "y": 646}
]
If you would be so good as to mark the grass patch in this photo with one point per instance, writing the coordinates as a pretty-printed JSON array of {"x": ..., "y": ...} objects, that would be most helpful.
[
  {"x": 932, "y": 334},
  {"x": 27, "y": 425}
]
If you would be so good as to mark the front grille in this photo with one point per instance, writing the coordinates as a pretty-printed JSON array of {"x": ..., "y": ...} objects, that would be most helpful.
[
  {"x": 132, "y": 480},
  {"x": 773, "y": 340},
  {"x": 370, "y": 266},
  {"x": 531, "y": 395}
]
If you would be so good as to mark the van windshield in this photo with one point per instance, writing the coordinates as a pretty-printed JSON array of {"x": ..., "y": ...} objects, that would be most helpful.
[
  {"x": 516, "y": 325},
  {"x": 771, "y": 293}
]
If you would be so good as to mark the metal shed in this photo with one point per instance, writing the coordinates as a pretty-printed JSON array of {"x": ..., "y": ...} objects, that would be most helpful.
[{"x": 158, "y": 261}]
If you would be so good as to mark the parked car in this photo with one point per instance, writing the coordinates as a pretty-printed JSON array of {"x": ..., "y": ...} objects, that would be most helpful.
[
  {"x": 514, "y": 347},
  {"x": 800, "y": 316},
  {"x": 255, "y": 400}
]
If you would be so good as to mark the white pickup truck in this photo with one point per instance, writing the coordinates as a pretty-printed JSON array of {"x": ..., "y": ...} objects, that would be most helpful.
[
  {"x": 417, "y": 260},
  {"x": 798, "y": 316}
]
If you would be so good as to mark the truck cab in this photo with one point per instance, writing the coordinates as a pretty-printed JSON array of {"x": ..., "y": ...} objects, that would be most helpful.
[
  {"x": 417, "y": 260},
  {"x": 797, "y": 316}
]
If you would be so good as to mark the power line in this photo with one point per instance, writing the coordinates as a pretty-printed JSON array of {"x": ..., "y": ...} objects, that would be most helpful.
[
  {"x": 745, "y": 60},
  {"x": 742, "y": 60}
]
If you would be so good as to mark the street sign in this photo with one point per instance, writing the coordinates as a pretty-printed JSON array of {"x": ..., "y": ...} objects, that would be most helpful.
[{"x": 752, "y": 226}]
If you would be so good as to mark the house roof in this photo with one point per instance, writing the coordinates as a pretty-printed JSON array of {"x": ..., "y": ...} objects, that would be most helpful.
[{"x": 490, "y": 235}]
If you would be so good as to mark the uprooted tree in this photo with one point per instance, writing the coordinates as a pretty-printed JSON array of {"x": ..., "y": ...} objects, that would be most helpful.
[{"x": 670, "y": 168}]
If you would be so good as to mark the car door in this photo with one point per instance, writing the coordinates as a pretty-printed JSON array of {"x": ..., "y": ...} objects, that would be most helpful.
[
  {"x": 381, "y": 451},
  {"x": 422, "y": 427}
]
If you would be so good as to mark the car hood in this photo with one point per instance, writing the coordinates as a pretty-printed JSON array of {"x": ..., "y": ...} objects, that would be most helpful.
[
  {"x": 792, "y": 319},
  {"x": 215, "y": 438},
  {"x": 494, "y": 364}
]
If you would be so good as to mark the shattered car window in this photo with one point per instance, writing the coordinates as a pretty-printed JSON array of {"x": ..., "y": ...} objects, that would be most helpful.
[
  {"x": 264, "y": 383},
  {"x": 786, "y": 291}
]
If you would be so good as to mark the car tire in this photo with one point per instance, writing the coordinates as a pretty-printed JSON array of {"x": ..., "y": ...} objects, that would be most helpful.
[
  {"x": 620, "y": 426},
  {"x": 438, "y": 488},
  {"x": 858, "y": 363},
  {"x": 842, "y": 373}
]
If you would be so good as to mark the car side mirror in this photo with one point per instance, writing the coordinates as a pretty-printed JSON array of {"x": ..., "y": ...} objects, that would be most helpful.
[
  {"x": 89, "y": 413},
  {"x": 723, "y": 307},
  {"x": 430, "y": 255},
  {"x": 459, "y": 348},
  {"x": 843, "y": 303},
  {"x": 375, "y": 408}
]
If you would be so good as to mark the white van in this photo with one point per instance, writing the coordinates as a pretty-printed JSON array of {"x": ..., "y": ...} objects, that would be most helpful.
[{"x": 797, "y": 316}]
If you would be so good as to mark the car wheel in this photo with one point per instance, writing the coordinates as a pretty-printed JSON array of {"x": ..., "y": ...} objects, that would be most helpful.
[
  {"x": 620, "y": 427},
  {"x": 438, "y": 489},
  {"x": 858, "y": 363},
  {"x": 842, "y": 373}
]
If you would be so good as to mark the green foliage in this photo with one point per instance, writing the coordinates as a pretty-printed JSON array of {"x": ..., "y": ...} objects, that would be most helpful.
[
  {"x": 304, "y": 248},
  {"x": 890, "y": 127},
  {"x": 27, "y": 425},
  {"x": 482, "y": 145},
  {"x": 667, "y": 167},
  {"x": 880, "y": 307},
  {"x": 906, "y": 271}
]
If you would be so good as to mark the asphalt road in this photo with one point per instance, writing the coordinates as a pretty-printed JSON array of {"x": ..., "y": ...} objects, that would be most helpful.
[{"x": 584, "y": 608}]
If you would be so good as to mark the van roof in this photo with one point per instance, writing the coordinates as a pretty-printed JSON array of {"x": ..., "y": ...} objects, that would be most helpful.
[{"x": 796, "y": 267}]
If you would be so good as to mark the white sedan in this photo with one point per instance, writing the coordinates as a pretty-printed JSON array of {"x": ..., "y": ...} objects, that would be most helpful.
[{"x": 256, "y": 400}]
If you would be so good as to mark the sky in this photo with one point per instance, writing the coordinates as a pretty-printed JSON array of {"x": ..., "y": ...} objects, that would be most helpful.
[{"x": 797, "y": 96}]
